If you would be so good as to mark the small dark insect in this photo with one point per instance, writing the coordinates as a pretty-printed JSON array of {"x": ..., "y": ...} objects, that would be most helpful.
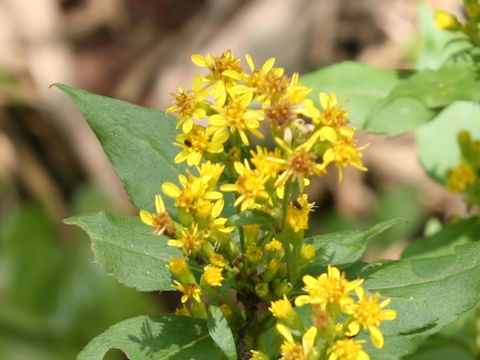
[
  {"x": 297, "y": 204},
  {"x": 188, "y": 143}
]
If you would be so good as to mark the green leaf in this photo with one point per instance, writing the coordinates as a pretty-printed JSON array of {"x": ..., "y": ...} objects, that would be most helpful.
[
  {"x": 220, "y": 332},
  {"x": 137, "y": 141},
  {"x": 438, "y": 288},
  {"x": 441, "y": 349},
  {"x": 442, "y": 242},
  {"x": 250, "y": 217},
  {"x": 399, "y": 115},
  {"x": 128, "y": 251},
  {"x": 360, "y": 85},
  {"x": 439, "y": 88},
  {"x": 437, "y": 141},
  {"x": 158, "y": 337},
  {"x": 343, "y": 247}
]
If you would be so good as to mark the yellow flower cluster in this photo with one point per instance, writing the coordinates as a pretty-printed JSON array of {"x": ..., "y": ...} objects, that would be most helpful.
[
  {"x": 471, "y": 27},
  {"x": 258, "y": 251},
  {"x": 465, "y": 177},
  {"x": 337, "y": 318}
]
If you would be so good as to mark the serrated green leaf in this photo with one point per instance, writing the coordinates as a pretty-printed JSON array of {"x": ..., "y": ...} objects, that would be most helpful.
[
  {"x": 439, "y": 88},
  {"x": 137, "y": 141},
  {"x": 441, "y": 287},
  {"x": 444, "y": 241},
  {"x": 360, "y": 85},
  {"x": 343, "y": 247},
  {"x": 437, "y": 141},
  {"x": 397, "y": 116},
  {"x": 220, "y": 332},
  {"x": 155, "y": 337},
  {"x": 128, "y": 250},
  {"x": 250, "y": 217}
]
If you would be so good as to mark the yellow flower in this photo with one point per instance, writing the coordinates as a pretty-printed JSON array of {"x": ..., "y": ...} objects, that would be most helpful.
[
  {"x": 250, "y": 185},
  {"x": 190, "y": 240},
  {"x": 225, "y": 70},
  {"x": 183, "y": 311},
  {"x": 189, "y": 291},
  {"x": 199, "y": 142},
  {"x": 298, "y": 212},
  {"x": 273, "y": 245},
  {"x": 307, "y": 253},
  {"x": 368, "y": 314},
  {"x": 347, "y": 349},
  {"x": 460, "y": 178},
  {"x": 258, "y": 355},
  {"x": 328, "y": 288},
  {"x": 179, "y": 267},
  {"x": 253, "y": 253},
  {"x": 237, "y": 117},
  {"x": 280, "y": 114},
  {"x": 212, "y": 275},
  {"x": 188, "y": 104},
  {"x": 218, "y": 260},
  {"x": 281, "y": 308},
  {"x": 445, "y": 20},
  {"x": 291, "y": 350},
  {"x": 161, "y": 220},
  {"x": 210, "y": 172},
  {"x": 333, "y": 114},
  {"x": 262, "y": 159},
  {"x": 344, "y": 153}
]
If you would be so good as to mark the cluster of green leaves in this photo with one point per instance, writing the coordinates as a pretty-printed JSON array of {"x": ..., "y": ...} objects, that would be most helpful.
[{"x": 430, "y": 286}]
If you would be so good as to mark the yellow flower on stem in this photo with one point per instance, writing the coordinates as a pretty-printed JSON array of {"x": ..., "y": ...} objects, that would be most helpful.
[
  {"x": 262, "y": 159},
  {"x": 368, "y": 313},
  {"x": 282, "y": 309},
  {"x": 189, "y": 241},
  {"x": 250, "y": 185},
  {"x": 273, "y": 245},
  {"x": 199, "y": 142},
  {"x": 188, "y": 104},
  {"x": 161, "y": 220},
  {"x": 236, "y": 117},
  {"x": 344, "y": 153},
  {"x": 179, "y": 267},
  {"x": 189, "y": 291},
  {"x": 333, "y": 114},
  {"x": 347, "y": 349},
  {"x": 446, "y": 21},
  {"x": 298, "y": 212},
  {"x": 210, "y": 172},
  {"x": 212, "y": 275},
  {"x": 329, "y": 288},
  {"x": 290, "y": 349},
  {"x": 460, "y": 178}
]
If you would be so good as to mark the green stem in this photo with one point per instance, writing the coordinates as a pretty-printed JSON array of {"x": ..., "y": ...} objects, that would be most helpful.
[{"x": 283, "y": 238}]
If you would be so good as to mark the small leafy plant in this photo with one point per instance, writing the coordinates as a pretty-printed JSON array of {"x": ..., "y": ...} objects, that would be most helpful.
[{"x": 223, "y": 212}]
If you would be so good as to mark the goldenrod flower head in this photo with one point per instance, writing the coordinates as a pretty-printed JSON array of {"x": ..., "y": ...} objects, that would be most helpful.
[
  {"x": 187, "y": 104},
  {"x": 189, "y": 241},
  {"x": 250, "y": 185},
  {"x": 258, "y": 355},
  {"x": 217, "y": 260},
  {"x": 328, "y": 288},
  {"x": 460, "y": 178},
  {"x": 344, "y": 153},
  {"x": 296, "y": 92},
  {"x": 199, "y": 142},
  {"x": 298, "y": 212},
  {"x": 161, "y": 220},
  {"x": 280, "y": 114},
  {"x": 307, "y": 252},
  {"x": 211, "y": 172},
  {"x": 212, "y": 275},
  {"x": 347, "y": 349},
  {"x": 225, "y": 70},
  {"x": 333, "y": 114},
  {"x": 368, "y": 314},
  {"x": 292, "y": 350},
  {"x": 446, "y": 21},
  {"x": 189, "y": 291},
  {"x": 273, "y": 245},
  {"x": 281, "y": 309},
  {"x": 267, "y": 162},
  {"x": 253, "y": 253},
  {"x": 236, "y": 117},
  {"x": 178, "y": 267}
]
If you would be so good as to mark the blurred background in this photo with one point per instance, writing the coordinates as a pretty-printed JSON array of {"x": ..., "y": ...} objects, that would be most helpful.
[{"x": 53, "y": 297}]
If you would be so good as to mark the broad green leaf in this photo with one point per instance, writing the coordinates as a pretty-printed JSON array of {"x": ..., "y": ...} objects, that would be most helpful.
[
  {"x": 439, "y": 88},
  {"x": 360, "y": 85},
  {"x": 437, "y": 141},
  {"x": 155, "y": 337},
  {"x": 250, "y": 217},
  {"x": 344, "y": 247},
  {"x": 128, "y": 250},
  {"x": 439, "y": 287},
  {"x": 397, "y": 116},
  {"x": 463, "y": 232},
  {"x": 441, "y": 349},
  {"x": 220, "y": 332},
  {"x": 137, "y": 141}
]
